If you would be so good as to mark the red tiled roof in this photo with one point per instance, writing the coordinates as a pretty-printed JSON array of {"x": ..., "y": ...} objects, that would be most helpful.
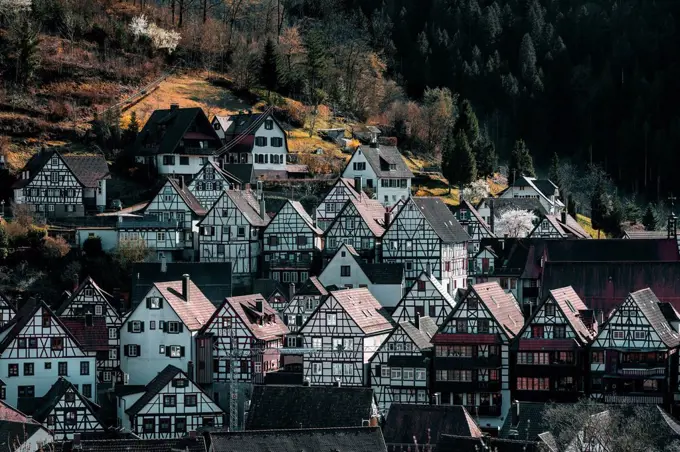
[
  {"x": 463, "y": 338},
  {"x": 92, "y": 338},
  {"x": 372, "y": 212},
  {"x": 245, "y": 308},
  {"x": 7, "y": 413},
  {"x": 194, "y": 313},
  {"x": 571, "y": 304},
  {"x": 547, "y": 344},
  {"x": 364, "y": 309},
  {"x": 502, "y": 307}
]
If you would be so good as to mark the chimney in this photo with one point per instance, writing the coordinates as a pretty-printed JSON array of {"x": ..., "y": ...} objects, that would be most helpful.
[
  {"x": 358, "y": 184},
  {"x": 258, "y": 305},
  {"x": 388, "y": 216},
  {"x": 514, "y": 412},
  {"x": 263, "y": 210},
  {"x": 247, "y": 186},
  {"x": 292, "y": 291},
  {"x": 185, "y": 287},
  {"x": 417, "y": 319},
  {"x": 164, "y": 265},
  {"x": 181, "y": 182},
  {"x": 88, "y": 319},
  {"x": 374, "y": 144},
  {"x": 564, "y": 217},
  {"x": 190, "y": 370},
  {"x": 174, "y": 107}
]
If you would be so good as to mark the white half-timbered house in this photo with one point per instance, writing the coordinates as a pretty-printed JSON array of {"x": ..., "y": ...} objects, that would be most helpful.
[
  {"x": 90, "y": 300},
  {"x": 384, "y": 170},
  {"x": 221, "y": 124},
  {"x": 174, "y": 202},
  {"x": 209, "y": 184},
  {"x": 472, "y": 356},
  {"x": 473, "y": 223},
  {"x": 36, "y": 349},
  {"x": 302, "y": 305},
  {"x": 161, "y": 330},
  {"x": 7, "y": 311},
  {"x": 169, "y": 406},
  {"x": 563, "y": 226},
  {"x": 163, "y": 238},
  {"x": 399, "y": 368},
  {"x": 345, "y": 330},
  {"x": 292, "y": 244},
  {"x": 361, "y": 224},
  {"x": 543, "y": 190},
  {"x": 425, "y": 234},
  {"x": 231, "y": 232},
  {"x": 62, "y": 185},
  {"x": 426, "y": 297},
  {"x": 334, "y": 201},
  {"x": 64, "y": 411},
  {"x": 346, "y": 269},
  {"x": 550, "y": 356},
  {"x": 631, "y": 355},
  {"x": 258, "y": 334}
]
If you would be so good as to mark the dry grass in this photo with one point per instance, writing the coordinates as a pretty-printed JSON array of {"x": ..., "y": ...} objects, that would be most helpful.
[
  {"x": 452, "y": 198},
  {"x": 587, "y": 225}
]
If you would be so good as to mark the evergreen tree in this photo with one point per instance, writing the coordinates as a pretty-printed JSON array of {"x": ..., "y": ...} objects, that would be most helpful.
[
  {"x": 487, "y": 160},
  {"x": 269, "y": 76},
  {"x": 649, "y": 219},
  {"x": 521, "y": 162},
  {"x": 468, "y": 123},
  {"x": 614, "y": 218},
  {"x": 458, "y": 161},
  {"x": 599, "y": 210},
  {"x": 554, "y": 173},
  {"x": 132, "y": 128},
  {"x": 571, "y": 206},
  {"x": 316, "y": 64},
  {"x": 632, "y": 211}
]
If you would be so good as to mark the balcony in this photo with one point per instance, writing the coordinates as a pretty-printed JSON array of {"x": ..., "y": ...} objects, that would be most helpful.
[
  {"x": 453, "y": 362},
  {"x": 633, "y": 399},
  {"x": 642, "y": 373},
  {"x": 468, "y": 386},
  {"x": 486, "y": 410}
]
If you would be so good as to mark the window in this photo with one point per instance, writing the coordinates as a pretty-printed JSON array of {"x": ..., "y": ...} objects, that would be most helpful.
[
  {"x": 26, "y": 391},
  {"x": 560, "y": 332},
  {"x": 421, "y": 374},
  {"x": 174, "y": 327},
  {"x": 133, "y": 350},
  {"x": 359, "y": 166},
  {"x": 241, "y": 232},
  {"x": 46, "y": 320},
  {"x": 483, "y": 326},
  {"x": 276, "y": 142},
  {"x": 269, "y": 124},
  {"x": 345, "y": 270},
  {"x": 152, "y": 325},
  {"x": 149, "y": 425},
  {"x": 106, "y": 375},
  {"x": 28, "y": 368},
  {"x": 408, "y": 373},
  {"x": 153, "y": 302},
  {"x": 618, "y": 334},
  {"x": 50, "y": 208},
  {"x": 190, "y": 400},
  {"x": 113, "y": 333},
  {"x": 48, "y": 366},
  {"x": 273, "y": 240},
  {"x": 84, "y": 368},
  {"x": 168, "y": 160},
  {"x": 87, "y": 391},
  {"x": 336, "y": 368},
  {"x": 348, "y": 343},
  {"x": 180, "y": 425},
  {"x": 113, "y": 353},
  {"x": 98, "y": 309},
  {"x": 169, "y": 400},
  {"x": 597, "y": 357},
  {"x": 175, "y": 351},
  {"x": 260, "y": 141},
  {"x": 21, "y": 342},
  {"x": 461, "y": 326},
  {"x": 13, "y": 370},
  {"x": 316, "y": 369},
  {"x": 164, "y": 425},
  {"x": 136, "y": 326},
  {"x": 639, "y": 335},
  {"x": 161, "y": 349},
  {"x": 183, "y": 160},
  {"x": 537, "y": 331},
  {"x": 63, "y": 368},
  {"x": 70, "y": 208},
  {"x": 421, "y": 286},
  {"x": 160, "y": 236},
  {"x": 57, "y": 343},
  {"x": 331, "y": 319},
  {"x": 396, "y": 373},
  {"x": 317, "y": 343},
  {"x": 301, "y": 240},
  {"x": 533, "y": 384}
]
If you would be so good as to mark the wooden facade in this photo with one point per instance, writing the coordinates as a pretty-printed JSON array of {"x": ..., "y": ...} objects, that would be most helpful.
[
  {"x": 66, "y": 412},
  {"x": 292, "y": 244},
  {"x": 7, "y": 312},
  {"x": 426, "y": 297},
  {"x": 334, "y": 201},
  {"x": 208, "y": 185},
  {"x": 474, "y": 225},
  {"x": 302, "y": 305}
]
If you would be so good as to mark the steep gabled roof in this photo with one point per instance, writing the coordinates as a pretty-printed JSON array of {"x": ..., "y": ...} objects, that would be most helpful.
[
  {"x": 419, "y": 337},
  {"x": 441, "y": 219},
  {"x": 312, "y": 287},
  {"x": 347, "y": 439},
  {"x": 567, "y": 228},
  {"x": 94, "y": 337},
  {"x": 571, "y": 305},
  {"x": 286, "y": 407},
  {"x": 305, "y": 216},
  {"x": 154, "y": 387},
  {"x": 349, "y": 184},
  {"x": 371, "y": 211},
  {"x": 631, "y": 234},
  {"x": 501, "y": 306},
  {"x": 379, "y": 273},
  {"x": 193, "y": 313},
  {"x": 649, "y": 306},
  {"x": 11, "y": 414},
  {"x": 527, "y": 419},
  {"x": 189, "y": 199},
  {"x": 242, "y": 171},
  {"x": 225, "y": 121},
  {"x": 247, "y": 204},
  {"x": 218, "y": 170},
  {"x": 256, "y": 322},
  {"x": 89, "y": 169},
  {"x": 406, "y": 422},
  {"x": 364, "y": 310},
  {"x": 136, "y": 445},
  {"x": 498, "y": 206},
  {"x": 105, "y": 295},
  {"x": 380, "y": 158},
  {"x": 241, "y": 131},
  {"x": 465, "y": 204},
  {"x": 40, "y": 407}
]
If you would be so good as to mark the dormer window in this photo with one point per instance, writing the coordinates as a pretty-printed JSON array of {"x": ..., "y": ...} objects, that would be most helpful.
[
  {"x": 153, "y": 302},
  {"x": 393, "y": 167},
  {"x": 55, "y": 161},
  {"x": 269, "y": 124}
]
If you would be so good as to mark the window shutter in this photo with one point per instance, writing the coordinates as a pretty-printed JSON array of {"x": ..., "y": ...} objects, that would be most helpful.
[
  {"x": 180, "y": 327},
  {"x": 130, "y": 327},
  {"x": 160, "y": 302},
  {"x": 298, "y": 341},
  {"x": 163, "y": 326},
  {"x": 141, "y": 326},
  {"x": 285, "y": 319},
  {"x": 201, "y": 230},
  {"x": 181, "y": 351},
  {"x": 148, "y": 303},
  {"x": 139, "y": 350},
  {"x": 167, "y": 350},
  {"x": 125, "y": 350},
  {"x": 377, "y": 370}
]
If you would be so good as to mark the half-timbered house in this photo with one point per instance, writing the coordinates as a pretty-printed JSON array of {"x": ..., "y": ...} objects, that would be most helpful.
[
  {"x": 245, "y": 326},
  {"x": 90, "y": 300},
  {"x": 169, "y": 406},
  {"x": 221, "y": 124},
  {"x": 36, "y": 348},
  {"x": 292, "y": 243},
  {"x": 64, "y": 411},
  {"x": 344, "y": 331},
  {"x": 476, "y": 227},
  {"x": 425, "y": 234},
  {"x": 399, "y": 368},
  {"x": 472, "y": 359},
  {"x": 334, "y": 201},
  {"x": 302, "y": 305},
  {"x": 176, "y": 141},
  {"x": 360, "y": 223},
  {"x": 207, "y": 186},
  {"x": 631, "y": 357},
  {"x": 164, "y": 238},
  {"x": 161, "y": 330},
  {"x": 346, "y": 269},
  {"x": 426, "y": 297},
  {"x": 562, "y": 226},
  {"x": 7, "y": 311},
  {"x": 384, "y": 170},
  {"x": 231, "y": 232},
  {"x": 62, "y": 185},
  {"x": 549, "y": 357},
  {"x": 275, "y": 292},
  {"x": 543, "y": 190},
  {"x": 175, "y": 202}
]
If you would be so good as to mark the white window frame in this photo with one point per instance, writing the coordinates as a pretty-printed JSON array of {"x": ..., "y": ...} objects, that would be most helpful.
[
  {"x": 336, "y": 369},
  {"x": 258, "y": 368},
  {"x": 133, "y": 351},
  {"x": 317, "y": 369},
  {"x": 421, "y": 374},
  {"x": 113, "y": 333},
  {"x": 333, "y": 316},
  {"x": 113, "y": 353},
  {"x": 348, "y": 369},
  {"x": 98, "y": 309},
  {"x": 385, "y": 372},
  {"x": 175, "y": 351},
  {"x": 138, "y": 325},
  {"x": 640, "y": 337},
  {"x": 407, "y": 373},
  {"x": 106, "y": 375},
  {"x": 336, "y": 343},
  {"x": 317, "y": 342},
  {"x": 348, "y": 343},
  {"x": 618, "y": 335},
  {"x": 154, "y": 303},
  {"x": 395, "y": 373},
  {"x": 170, "y": 327}
]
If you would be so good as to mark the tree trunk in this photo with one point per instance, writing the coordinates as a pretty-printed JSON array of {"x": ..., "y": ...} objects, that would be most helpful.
[
  {"x": 172, "y": 6},
  {"x": 181, "y": 14},
  {"x": 205, "y": 11}
]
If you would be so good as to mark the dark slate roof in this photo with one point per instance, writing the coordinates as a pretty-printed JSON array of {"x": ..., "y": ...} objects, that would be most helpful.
[
  {"x": 189, "y": 199},
  {"x": 40, "y": 407},
  {"x": 648, "y": 304},
  {"x": 526, "y": 421},
  {"x": 420, "y": 338},
  {"x": 154, "y": 387},
  {"x": 268, "y": 287},
  {"x": 520, "y": 257},
  {"x": 290, "y": 407},
  {"x": 354, "y": 439},
  {"x": 243, "y": 171},
  {"x": 33, "y": 166},
  {"x": 176, "y": 123},
  {"x": 136, "y": 445},
  {"x": 212, "y": 278},
  {"x": 450, "y": 443},
  {"x": 247, "y": 203},
  {"x": 383, "y": 273},
  {"x": 312, "y": 287},
  {"x": 14, "y": 434},
  {"x": 89, "y": 169},
  {"x": 405, "y": 421},
  {"x": 613, "y": 250},
  {"x": 441, "y": 219},
  {"x": 241, "y": 132},
  {"x": 382, "y": 157},
  {"x": 465, "y": 204},
  {"x": 645, "y": 235}
]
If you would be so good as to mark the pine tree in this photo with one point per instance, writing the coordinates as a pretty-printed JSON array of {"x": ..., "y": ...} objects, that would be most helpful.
[
  {"x": 571, "y": 206},
  {"x": 649, "y": 219},
  {"x": 614, "y": 218},
  {"x": 269, "y": 76},
  {"x": 132, "y": 129},
  {"x": 458, "y": 161},
  {"x": 599, "y": 210},
  {"x": 554, "y": 173},
  {"x": 521, "y": 162},
  {"x": 487, "y": 160},
  {"x": 468, "y": 123}
]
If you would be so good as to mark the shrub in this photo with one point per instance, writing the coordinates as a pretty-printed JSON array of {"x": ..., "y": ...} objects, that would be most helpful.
[{"x": 58, "y": 110}]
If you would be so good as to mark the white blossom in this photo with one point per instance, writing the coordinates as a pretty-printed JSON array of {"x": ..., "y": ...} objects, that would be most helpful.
[
  {"x": 477, "y": 190},
  {"x": 160, "y": 38},
  {"x": 515, "y": 223}
]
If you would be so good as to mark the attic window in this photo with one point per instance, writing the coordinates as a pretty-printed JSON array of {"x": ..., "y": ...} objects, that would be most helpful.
[
  {"x": 55, "y": 161},
  {"x": 393, "y": 167},
  {"x": 269, "y": 124}
]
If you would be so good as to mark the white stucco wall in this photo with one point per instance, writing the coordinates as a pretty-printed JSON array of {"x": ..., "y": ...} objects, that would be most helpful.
[
  {"x": 108, "y": 237},
  {"x": 194, "y": 166},
  {"x": 275, "y": 132}
]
